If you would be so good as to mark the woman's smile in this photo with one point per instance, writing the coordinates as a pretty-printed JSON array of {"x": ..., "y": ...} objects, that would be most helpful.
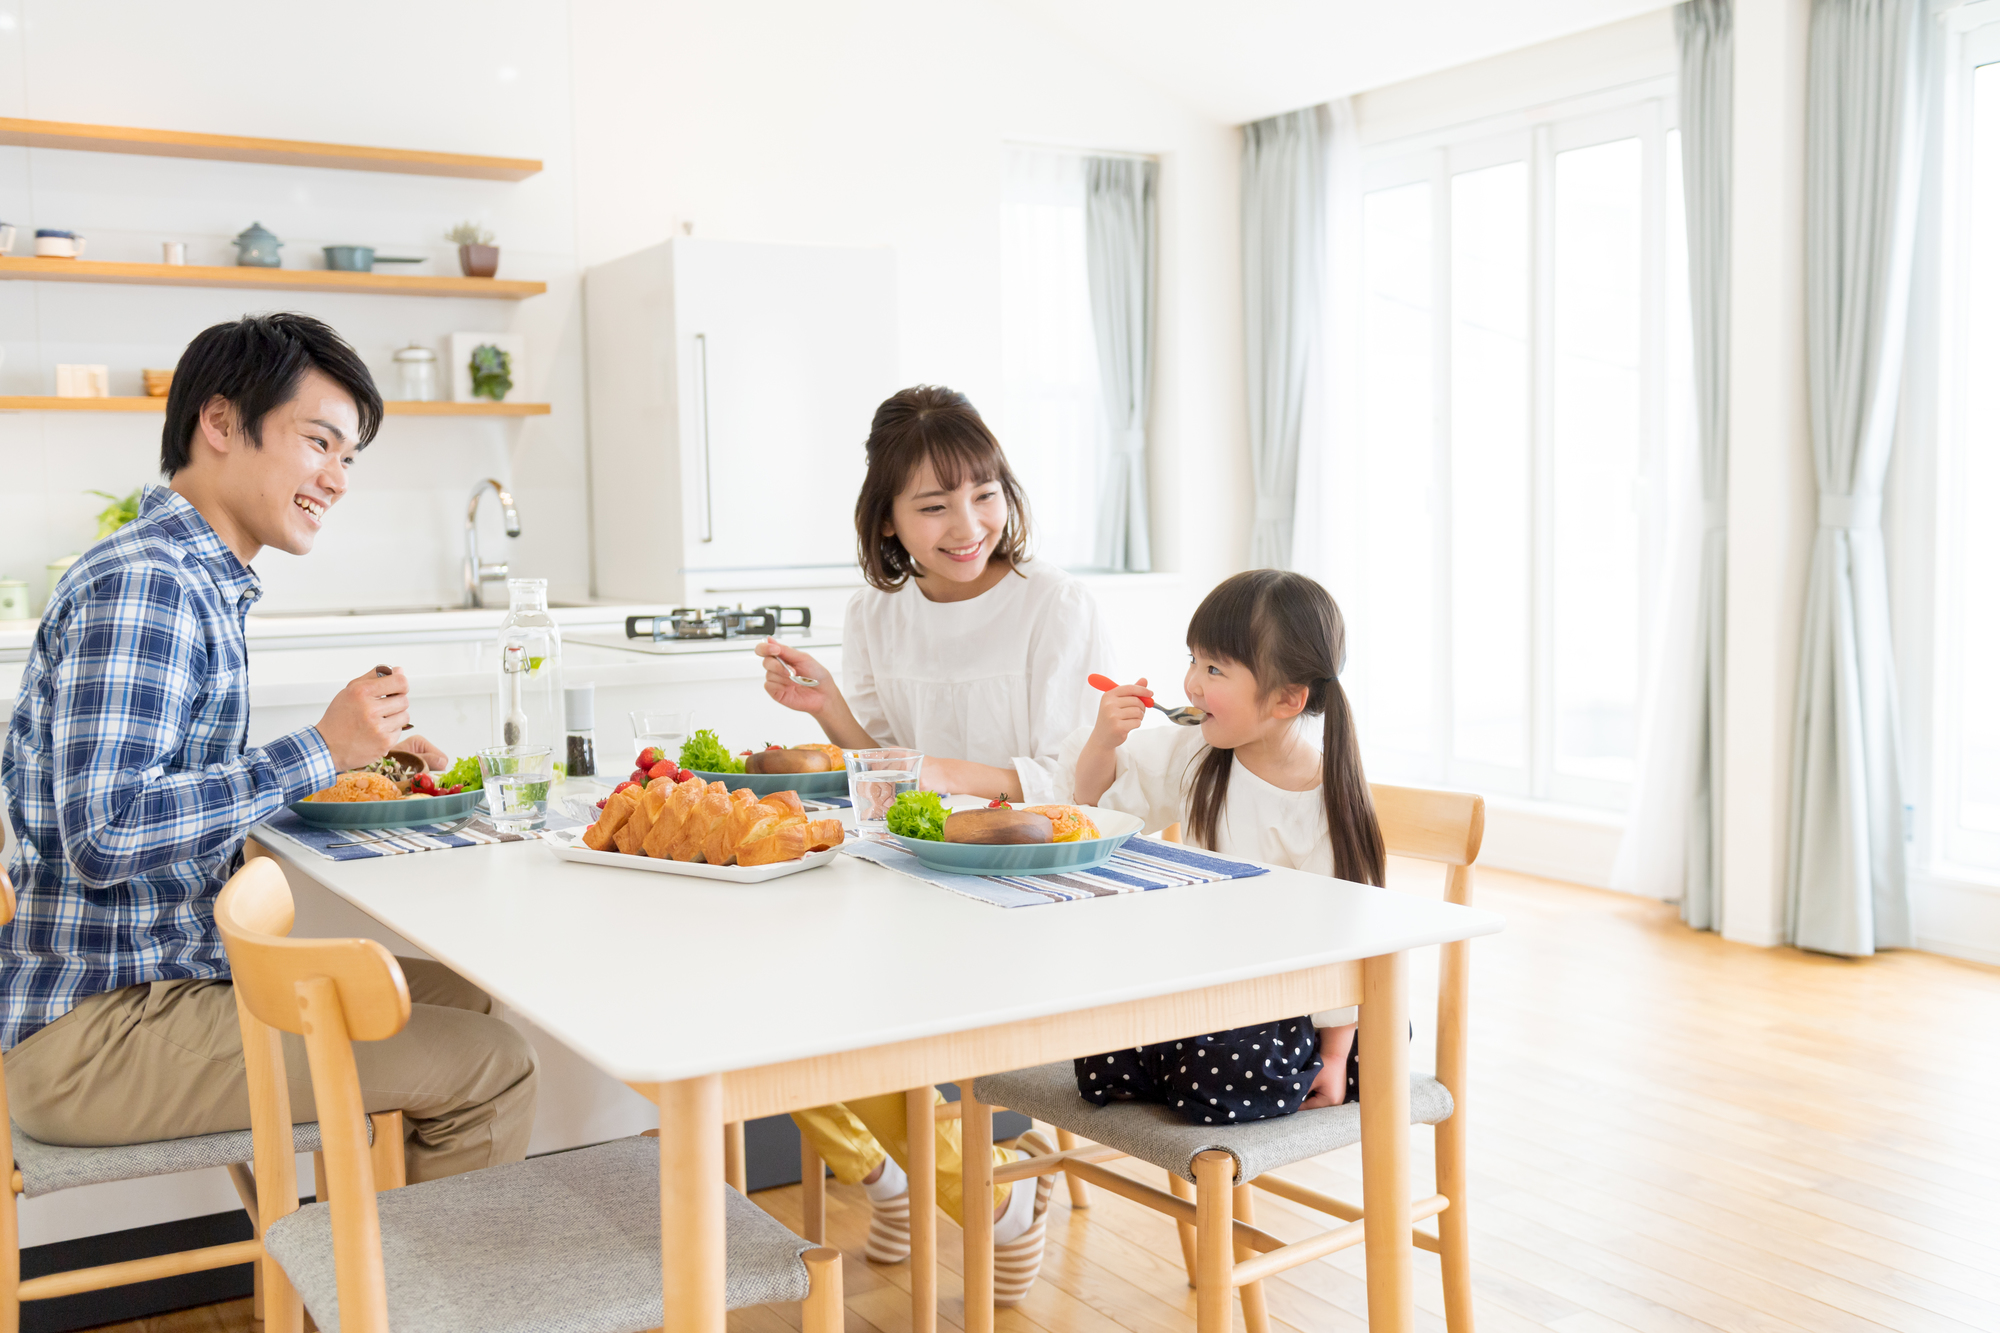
[{"x": 964, "y": 554}]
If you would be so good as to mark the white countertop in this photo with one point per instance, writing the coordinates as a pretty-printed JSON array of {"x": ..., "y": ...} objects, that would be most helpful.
[{"x": 642, "y": 974}]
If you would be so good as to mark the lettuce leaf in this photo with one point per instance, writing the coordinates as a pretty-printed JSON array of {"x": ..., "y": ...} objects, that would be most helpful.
[
  {"x": 918, "y": 814},
  {"x": 703, "y": 752},
  {"x": 463, "y": 773}
]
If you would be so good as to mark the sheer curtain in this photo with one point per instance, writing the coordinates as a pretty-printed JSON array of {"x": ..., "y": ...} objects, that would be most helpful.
[
  {"x": 1052, "y": 395},
  {"x": 1865, "y": 126},
  {"x": 1121, "y": 224},
  {"x": 1672, "y": 846},
  {"x": 1284, "y": 266},
  {"x": 1327, "y": 426}
]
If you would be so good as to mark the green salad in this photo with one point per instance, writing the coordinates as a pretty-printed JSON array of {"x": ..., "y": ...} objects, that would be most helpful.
[
  {"x": 703, "y": 752},
  {"x": 464, "y": 773},
  {"x": 918, "y": 814}
]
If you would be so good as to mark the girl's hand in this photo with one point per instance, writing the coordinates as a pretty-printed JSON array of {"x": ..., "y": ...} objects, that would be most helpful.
[
  {"x": 1119, "y": 714},
  {"x": 778, "y": 682}
]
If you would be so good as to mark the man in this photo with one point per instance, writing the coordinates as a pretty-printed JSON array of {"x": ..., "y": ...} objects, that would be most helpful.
[{"x": 131, "y": 790}]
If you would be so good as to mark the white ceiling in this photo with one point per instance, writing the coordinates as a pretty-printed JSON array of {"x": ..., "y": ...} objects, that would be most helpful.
[{"x": 1241, "y": 60}]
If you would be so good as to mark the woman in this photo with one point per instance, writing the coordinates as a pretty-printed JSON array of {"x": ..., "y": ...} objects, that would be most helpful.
[
  {"x": 961, "y": 647},
  {"x": 965, "y": 649}
]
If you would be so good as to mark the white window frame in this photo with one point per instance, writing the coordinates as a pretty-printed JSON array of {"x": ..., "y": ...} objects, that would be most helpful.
[
  {"x": 1646, "y": 111},
  {"x": 1956, "y": 854}
]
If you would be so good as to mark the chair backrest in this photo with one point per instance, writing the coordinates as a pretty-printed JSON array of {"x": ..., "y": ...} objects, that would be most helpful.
[{"x": 332, "y": 993}]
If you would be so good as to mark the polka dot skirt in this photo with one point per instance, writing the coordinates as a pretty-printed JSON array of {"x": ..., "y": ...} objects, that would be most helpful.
[{"x": 1253, "y": 1073}]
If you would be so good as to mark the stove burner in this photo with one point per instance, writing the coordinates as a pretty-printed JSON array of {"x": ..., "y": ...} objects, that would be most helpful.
[{"x": 718, "y": 622}]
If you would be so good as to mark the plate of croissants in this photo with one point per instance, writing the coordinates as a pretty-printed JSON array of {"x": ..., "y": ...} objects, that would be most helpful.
[{"x": 704, "y": 829}]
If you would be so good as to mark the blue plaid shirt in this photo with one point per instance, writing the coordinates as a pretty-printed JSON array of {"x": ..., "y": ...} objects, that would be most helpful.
[{"x": 125, "y": 773}]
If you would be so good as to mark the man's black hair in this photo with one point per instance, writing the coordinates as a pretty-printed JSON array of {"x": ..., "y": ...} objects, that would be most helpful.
[{"x": 256, "y": 363}]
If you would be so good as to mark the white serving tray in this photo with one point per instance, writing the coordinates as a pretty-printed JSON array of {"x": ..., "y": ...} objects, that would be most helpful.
[{"x": 568, "y": 844}]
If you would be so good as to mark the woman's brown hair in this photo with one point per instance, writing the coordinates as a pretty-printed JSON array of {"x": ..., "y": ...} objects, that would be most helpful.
[
  {"x": 939, "y": 425},
  {"x": 1288, "y": 631}
]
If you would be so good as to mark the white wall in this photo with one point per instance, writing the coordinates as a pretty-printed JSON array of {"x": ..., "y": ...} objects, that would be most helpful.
[
  {"x": 399, "y": 75},
  {"x": 885, "y": 125}
]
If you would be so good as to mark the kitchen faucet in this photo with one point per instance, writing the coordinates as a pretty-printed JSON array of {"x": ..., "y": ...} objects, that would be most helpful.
[{"x": 476, "y": 573}]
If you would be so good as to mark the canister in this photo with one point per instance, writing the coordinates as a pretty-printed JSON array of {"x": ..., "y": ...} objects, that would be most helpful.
[{"x": 13, "y": 599}]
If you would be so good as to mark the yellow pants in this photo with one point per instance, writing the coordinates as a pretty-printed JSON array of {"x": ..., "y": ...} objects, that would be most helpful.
[{"x": 853, "y": 1137}]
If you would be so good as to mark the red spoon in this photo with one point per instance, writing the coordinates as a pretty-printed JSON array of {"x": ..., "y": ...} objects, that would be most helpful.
[{"x": 1185, "y": 717}]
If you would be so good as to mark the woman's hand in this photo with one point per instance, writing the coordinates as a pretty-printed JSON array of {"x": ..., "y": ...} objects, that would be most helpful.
[
  {"x": 433, "y": 758},
  {"x": 962, "y": 777},
  {"x": 781, "y": 664}
]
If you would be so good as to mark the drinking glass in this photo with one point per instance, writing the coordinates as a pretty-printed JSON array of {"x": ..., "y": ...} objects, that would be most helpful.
[
  {"x": 517, "y": 785},
  {"x": 666, "y": 729},
  {"x": 875, "y": 778}
]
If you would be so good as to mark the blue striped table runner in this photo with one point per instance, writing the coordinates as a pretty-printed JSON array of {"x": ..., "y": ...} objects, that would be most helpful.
[{"x": 1140, "y": 866}]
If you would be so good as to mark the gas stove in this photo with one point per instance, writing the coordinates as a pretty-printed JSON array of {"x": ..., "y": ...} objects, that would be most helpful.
[{"x": 718, "y": 622}]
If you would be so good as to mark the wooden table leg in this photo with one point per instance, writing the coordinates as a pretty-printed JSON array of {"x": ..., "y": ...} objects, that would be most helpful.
[
  {"x": 692, "y": 1242},
  {"x": 735, "y": 1169},
  {"x": 812, "y": 1179},
  {"x": 922, "y": 1124},
  {"x": 1385, "y": 1142},
  {"x": 976, "y": 1152}
]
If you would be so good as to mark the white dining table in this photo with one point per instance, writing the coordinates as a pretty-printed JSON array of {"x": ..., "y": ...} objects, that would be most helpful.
[{"x": 724, "y": 1002}]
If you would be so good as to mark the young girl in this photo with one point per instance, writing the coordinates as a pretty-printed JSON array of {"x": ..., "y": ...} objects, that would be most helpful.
[{"x": 1265, "y": 650}]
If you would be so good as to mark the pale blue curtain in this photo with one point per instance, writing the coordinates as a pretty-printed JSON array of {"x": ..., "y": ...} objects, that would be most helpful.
[
  {"x": 1865, "y": 123},
  {"x": 1707, "y": 71},
  {"x": 1284, "y": 289},
  {"x": 1121, "y": 223}
]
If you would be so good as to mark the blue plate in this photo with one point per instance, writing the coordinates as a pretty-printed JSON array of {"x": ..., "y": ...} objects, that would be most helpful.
[
  {"x": 413, "y": 813},
  {"x": 1034, "y": 858},
  {"x": 809, "y": 786}
]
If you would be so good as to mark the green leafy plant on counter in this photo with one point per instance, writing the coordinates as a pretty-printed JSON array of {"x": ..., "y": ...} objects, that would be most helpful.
[
  {"x": 703, "y": 752},
  {"x": 492, "y": 372},
  {"x": 116, "y": 514},
  {"x": 918, "y": 814},
  {"x": 469, "y": 233},
  {"x": 463, "y": 773}
]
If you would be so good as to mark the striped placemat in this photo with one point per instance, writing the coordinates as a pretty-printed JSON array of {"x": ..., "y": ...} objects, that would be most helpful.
[
  {"x": 1140, "y": 866},
  {"x": 343, "y": 844}
]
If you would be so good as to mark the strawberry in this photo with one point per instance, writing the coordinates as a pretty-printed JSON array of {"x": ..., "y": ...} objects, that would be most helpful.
[
  {"x": 621, "y": 787},
  {"x": 638, "y": 775},
  {"x": 650, "y": 756},
  {"x": 663, "y": 769},
  {"x": 601, "y": 804}
]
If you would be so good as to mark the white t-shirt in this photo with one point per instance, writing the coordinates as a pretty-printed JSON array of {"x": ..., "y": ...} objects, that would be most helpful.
[
  {"x": 999, "y": 679},
  {"x": 1156, "y": 768}
]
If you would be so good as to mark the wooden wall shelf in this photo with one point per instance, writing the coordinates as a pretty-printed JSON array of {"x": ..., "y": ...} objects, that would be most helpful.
[
  {"x": 276, "y": 152},
  {"x": 265, "y": 279},
  {"x": 392, "y": 407}
]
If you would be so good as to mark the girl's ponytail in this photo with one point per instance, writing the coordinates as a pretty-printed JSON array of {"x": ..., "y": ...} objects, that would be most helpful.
[
  {"x": 1358, "y": 853},
  {"x": 1287, "y": 630}
]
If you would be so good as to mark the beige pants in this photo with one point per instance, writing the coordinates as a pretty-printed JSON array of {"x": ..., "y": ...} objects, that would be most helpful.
[{"x": 164, "y": 1060}]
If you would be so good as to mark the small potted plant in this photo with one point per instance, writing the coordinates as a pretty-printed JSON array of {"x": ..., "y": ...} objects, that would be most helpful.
[{"x": 478, "y": 257}]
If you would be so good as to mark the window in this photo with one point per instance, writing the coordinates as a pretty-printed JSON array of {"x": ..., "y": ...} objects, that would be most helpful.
[
  {"x": 1049, "y": 422},
  {"x": 1967, "y": 716},
  {"x": 1521, "y": 359}
]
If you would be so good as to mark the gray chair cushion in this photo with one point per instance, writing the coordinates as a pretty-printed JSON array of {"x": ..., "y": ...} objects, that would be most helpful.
[
  {"x": 568, "y": 1243},
  {"x": 1153, "y": 1133},
  {"x": 48, "y": 1167}
]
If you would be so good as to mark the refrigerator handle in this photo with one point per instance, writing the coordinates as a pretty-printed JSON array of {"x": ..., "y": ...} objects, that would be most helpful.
[{"x": 707, "y": 476}]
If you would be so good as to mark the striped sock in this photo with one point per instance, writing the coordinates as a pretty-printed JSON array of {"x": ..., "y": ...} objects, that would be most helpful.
[
  {"x": 889, "y": 1230},
  {"x": 1018, "y": 1263}
]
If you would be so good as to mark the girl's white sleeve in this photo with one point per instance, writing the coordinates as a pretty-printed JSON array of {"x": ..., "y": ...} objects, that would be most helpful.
[
  {"x": 857, "y": 673},
  {"x": 1154, "y": 766},
  {"x": 1067, "y": 644}
]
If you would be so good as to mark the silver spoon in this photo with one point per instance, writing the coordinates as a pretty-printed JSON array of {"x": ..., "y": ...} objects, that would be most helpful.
[
  {"x": 806, "y": 681},
  {"x": 1186, "y": 716}
]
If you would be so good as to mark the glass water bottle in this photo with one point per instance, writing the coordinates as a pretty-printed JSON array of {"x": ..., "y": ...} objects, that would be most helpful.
[{"x": 529, "y": 709}]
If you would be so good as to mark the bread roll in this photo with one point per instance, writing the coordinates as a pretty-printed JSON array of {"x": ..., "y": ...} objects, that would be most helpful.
[
  {"x": 800, "y": 760},
  {"x": 995, "y": 827},
  {"x": 793, "y": 839},
  {"x": 713, "y": 807},
  {"x": 632, "y": 838},
  {"x": 680, "y": 801},
  {"x": 598, "y": 837}
]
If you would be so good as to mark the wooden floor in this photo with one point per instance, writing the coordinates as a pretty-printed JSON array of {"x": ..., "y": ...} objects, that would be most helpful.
[{"x": 1669, "y": 1134}]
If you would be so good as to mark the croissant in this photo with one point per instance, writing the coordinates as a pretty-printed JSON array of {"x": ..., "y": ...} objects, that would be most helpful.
[
  {"x": 680, "y": 801},
  {"x": 790, "y": 842},
  {"x": 609, "y": 820},
  {"x": 745, "y": 814},
  {"x": 692, "y": 837}
]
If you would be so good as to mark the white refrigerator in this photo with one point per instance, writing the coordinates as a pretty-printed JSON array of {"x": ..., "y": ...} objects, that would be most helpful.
[{"x": 731, "y": 386}]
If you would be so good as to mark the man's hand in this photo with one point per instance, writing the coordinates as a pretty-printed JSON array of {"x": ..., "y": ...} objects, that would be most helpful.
[
  {"x": 435, "y": 759},
  {"x": 365, "y": 720}
]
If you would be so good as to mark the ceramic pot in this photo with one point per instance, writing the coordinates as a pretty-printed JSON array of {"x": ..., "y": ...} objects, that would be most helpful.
[
  {"x": 51, "y": 244},
  {"x": 479, "y": 261},
  {"x": 257, "y": 247},
  {"x": 351, "y": 258}
]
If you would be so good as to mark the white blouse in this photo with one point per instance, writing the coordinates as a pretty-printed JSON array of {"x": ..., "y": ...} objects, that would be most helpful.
[
  {"x": 998, "y": 679},
  {"x": 1156, "y": 768}
]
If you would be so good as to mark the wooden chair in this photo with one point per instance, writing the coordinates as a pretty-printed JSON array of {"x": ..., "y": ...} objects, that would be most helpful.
[
  {"x": 569, "y": 1241},
  {"x": 34, "y": 1168},
  {"x": 1222, "y": 1246}
]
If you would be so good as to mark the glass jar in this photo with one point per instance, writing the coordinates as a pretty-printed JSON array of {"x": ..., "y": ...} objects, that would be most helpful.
[
  {"x": 529, "y": 708},
  {"x": 416, "y": 373}
]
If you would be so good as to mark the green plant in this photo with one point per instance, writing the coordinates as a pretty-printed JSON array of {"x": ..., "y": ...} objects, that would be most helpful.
[
  {"x": 116, "y": 514},
  {"x": 492, "y": 372},
  {"x": 469, "y": 233}
]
